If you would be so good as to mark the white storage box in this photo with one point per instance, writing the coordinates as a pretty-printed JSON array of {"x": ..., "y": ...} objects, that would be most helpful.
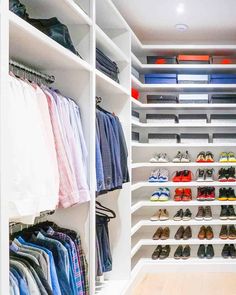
[
  {"x": 193, "y": 98},
  {"x": 162, "y": 138},
  {"x": 224, "y": 138},
  {"x": 192, "y": 119},
  {"x": 161, "y": 119},
  {"x": 223, "y": 119},
  {"x": 191, "y": 138},
  {"x": 192, "y": 79},
  {"x": 135, "y": 72}
]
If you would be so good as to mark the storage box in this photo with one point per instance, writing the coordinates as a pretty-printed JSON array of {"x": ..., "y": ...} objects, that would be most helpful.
[
  {"x": 135, "y": 72},
  {"x": 161, "y": 119},
  {"x": 193, "y": 119},
  {"x": 193, "y": 59},
  {"x": 135, "y": 116},
  {"x": 161, "y": 60},
  {"x": 135, "y": 93},
  {"x": 223, "y": 119},
  {"x": 223, "y": 60},
  {"x": 193, "y": 98},
  {"x": 163, "y": 138},
  {"x": 160, "y": 78},
  {"x": 223, "y": 79},
  {"x": 193, "y": 79},
  {"x": 197, "y": 138},
  {"x": 162, "y": 98},
  {"x": 135, "y": 136},
  {"x": 223, "y": 98},
  {"x": 224, "y": 138}
]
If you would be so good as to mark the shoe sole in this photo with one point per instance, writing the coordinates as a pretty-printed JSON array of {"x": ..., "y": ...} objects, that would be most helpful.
[
  {"x": 232, "y": 218},
  {"x": 199, "y": 219},
  {"x": 186, "y": 219},
  {"x": 231, "y": 199},
  {"x": 223, "y": 218},
  {"x": 222, "y": 199},
  {"x": 207, "y": 219},
  {"x": 223, "y": 238},
  {"x": 177, "y": 219}
]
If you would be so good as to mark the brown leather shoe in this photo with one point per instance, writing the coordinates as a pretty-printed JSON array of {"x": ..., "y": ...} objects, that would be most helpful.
[
  {"x": 165, "y": 234},
  {"x": 157, "y": 234},
  {"x": 224, "y": 234},
  {"x": 232, "y": 232},
  {"x": 187, "y": 233},
  {"x": 179, "y": 234},
  {"x": 209, "y": 233},
  {"x": 202, "y": 233}
]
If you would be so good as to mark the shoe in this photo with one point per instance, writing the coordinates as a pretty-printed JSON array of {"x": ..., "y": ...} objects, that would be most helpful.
[
  {"x": 209, "y": 157},
  {"x": 185, "y": 158},
  {"x": 200, "y": 214},
  {"x": 163, "y": 158},
  {"x": 224, "y": 233},
  {"x": 208, "y": 213},
  {"x": 177, "y": 177},
  {"x": 156, "y": 215},
  {"x": 177, "y": 158},
  {"x": 187, "y": 233},
  {"x": 157, "y": 234},
  {"x": 200, "y": 175},
  {"x": 231, "y": 194},
  {"x": 208, "y": 176},
  {"x": 201, "y": 157},
  {"x": 210, "y": 252},
  {"x": 155, "y": 196},
  {"x": 232, "y": 232},
  {"x": 223, "y": 194},
  {"x": 164, "y": 215},
  {"x": 164, "y": 194},
  {"x": 186, "y": 176},
  {"x": 225, "y": 253},
  {"x": 231, "y": 157},
  {"x": 163, "y": 175},
  {"x": 223, "y": 157},
  {"x": 154, "y": 176},
  {"x": 165, "y": 252},
  {"x": 232, "y": 251},
  {"x": 231, "y": 174},
  {"x": 186, "y": 252},
  {"x": 165, "y": 233},
  {"x": 231, "y": 212},
  {"x": 201, "y": 194},
  {"x": 155, "y": 158},
  {"x": 187, "y": 215},
  {"x": 224, "y": 212},
  {"x": 201, "y": 253},
  {"x": 157, "y": 252},
  {"x": 179, "y": 234},
  {"x": 187, "y": 195},
  {"x": 210, "y": 193},
  {"x": 178, "y": 252},
  {"x": 202, "y": 233},
  {"x": 209, "y": 233},
  {"x": 179, "y": 215},
  {"x": 178, "y": 194},
  {"x": 222, "y": 175}
]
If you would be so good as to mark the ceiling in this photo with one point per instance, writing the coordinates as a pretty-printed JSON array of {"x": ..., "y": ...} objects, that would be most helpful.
[{"x": 153, "y": 21}]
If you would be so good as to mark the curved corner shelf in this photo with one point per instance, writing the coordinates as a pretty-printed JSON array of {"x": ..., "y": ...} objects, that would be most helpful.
[
  {"x": 171, "y": 164},
  {"x": 179, "y": 145}
]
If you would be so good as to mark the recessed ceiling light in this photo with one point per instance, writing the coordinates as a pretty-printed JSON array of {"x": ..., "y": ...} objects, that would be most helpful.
[
  {"x": 181, "y": 27},
  {"x": 180, "y": 8}
]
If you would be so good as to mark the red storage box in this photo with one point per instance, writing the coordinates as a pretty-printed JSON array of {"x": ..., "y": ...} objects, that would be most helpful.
[
  {"x": 224, "y": 60},
  {"x": 193, "y": 59},
  {"x": 135, "y": 93}
]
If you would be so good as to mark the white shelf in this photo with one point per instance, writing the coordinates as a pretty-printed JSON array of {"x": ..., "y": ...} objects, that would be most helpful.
[
  {"x": 139, "y": 105},
  {"x": 171, "y": 164},
  {"x": 147, "y": 222},
  {"x": 106, "y": 44},
  {"x": 182, "y": 125},
  {"x": 182, "y": 87},
  {"x": 176, "y": 145},
  {"x": 107, "y": 85},
  {"x": 57, "y": 56},
  {"x": 193, "y": 203}
]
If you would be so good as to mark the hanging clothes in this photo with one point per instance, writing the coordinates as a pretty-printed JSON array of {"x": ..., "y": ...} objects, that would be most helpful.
[
  {"x": 111, "y": 152},
  {"x": 46, "y": 151},
  {"x": 47, "y": 259}
]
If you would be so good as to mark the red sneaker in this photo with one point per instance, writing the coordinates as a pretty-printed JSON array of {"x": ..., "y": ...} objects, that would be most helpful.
[
  {"x": 210, "y": 194},
  {"x": 187, "y": 195},
  {"x": 178, "y": 194},
  {"x": 178, "y": 176},
  {"x": 186, "y": 176},
  {"x": 201, "y": 194}
]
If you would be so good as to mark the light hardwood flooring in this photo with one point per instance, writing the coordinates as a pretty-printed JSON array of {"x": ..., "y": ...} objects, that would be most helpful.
[{"x": 187, "y": 284}]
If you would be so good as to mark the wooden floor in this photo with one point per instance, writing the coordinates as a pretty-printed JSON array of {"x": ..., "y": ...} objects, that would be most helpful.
[{"x": 187, "y": 284}]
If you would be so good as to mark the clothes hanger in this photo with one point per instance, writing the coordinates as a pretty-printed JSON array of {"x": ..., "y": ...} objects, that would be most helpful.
[{"x": 100, "y": 207}]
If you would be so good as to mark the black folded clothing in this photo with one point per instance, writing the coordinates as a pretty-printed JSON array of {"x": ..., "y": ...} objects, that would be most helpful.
[{"x": 106, "y": 65}]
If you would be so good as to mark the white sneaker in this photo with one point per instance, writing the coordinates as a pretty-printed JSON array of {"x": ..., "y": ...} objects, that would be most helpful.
[
  {"x": 156, "y": 215},
  {"x": 163, "y": 158},
  {"x": 155, "y": 158},
  {"x": 185, "y": 158},
  {"x": 177, "y": 158}
]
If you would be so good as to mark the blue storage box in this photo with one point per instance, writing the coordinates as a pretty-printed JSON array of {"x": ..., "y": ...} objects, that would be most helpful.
[
  {"x": 160, "y": 78},
  {"x": 223, "y": 79}
]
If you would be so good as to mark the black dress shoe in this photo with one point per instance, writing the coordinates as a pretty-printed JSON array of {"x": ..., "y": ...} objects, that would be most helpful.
[
  {"x": 225, "y": 251},
  {"x": 178, "y": 252},
  {"x": 165, "y": 252},
  {"x": 232, "y": 251},
  {"x": 210, "y": 252},
  {"x": 157, "y": 252},
  {"x": 186, "y": 252},
  {"x": 201, "y": 253}
]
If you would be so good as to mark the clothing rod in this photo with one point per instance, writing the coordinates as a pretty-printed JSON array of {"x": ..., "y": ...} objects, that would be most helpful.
[{"x": 18, "y": 65}]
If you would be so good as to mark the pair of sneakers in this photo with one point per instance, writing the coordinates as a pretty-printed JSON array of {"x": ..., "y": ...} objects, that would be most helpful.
[
  {"x": 160, "y": 215},
  {"x": 159, "y": 158},
  {"x": 182, "y": 158},
  {"x": 182, "y": 176},
  {"x": 205, "y": 157},
  {"x": 227, "y": 157},
  {"x": 206, "y": 193},
  {"x": 226, "y": 194},
  {"x": 227, "y": 174},
  {"x": 183, "y": 194},
  {"x": 159, "y": 175},
  {"x": 205, "y": 174},
  {"x": 161, "y": 195}
]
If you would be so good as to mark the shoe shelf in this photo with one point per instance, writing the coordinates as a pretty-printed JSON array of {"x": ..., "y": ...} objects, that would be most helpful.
[
  {"x": 183, "y": 145},
  {"x": 191, "y": 164}
]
